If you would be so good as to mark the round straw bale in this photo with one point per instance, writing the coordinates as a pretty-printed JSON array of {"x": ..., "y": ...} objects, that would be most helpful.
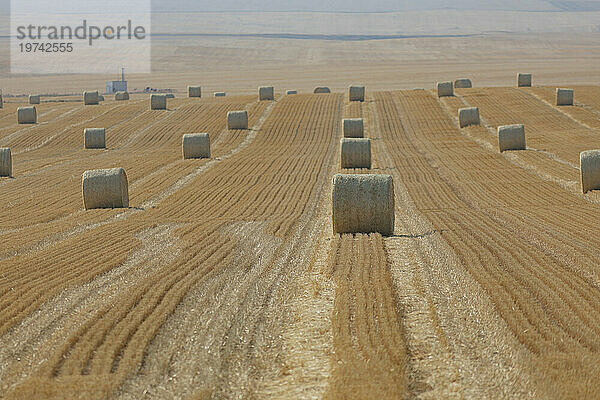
[
  {"x": 237, "y": 119},
  {"x": 468, "y": 116},
  {"x": 91, "y": 98},
  {"x": 1, "y": 102},
  {"x": 266, "y": 93},
  {"x": 158, "y": 102},
  {"x": 445, "y": 89},
  {"x": 120, "y": 96},
  {"x": 291, "y": 92},
  {"x": 170, "y": 96},
  {"x": 463, "y": 83},
  {"x": 196, "y": 145},
  {"x": 34, "y": 99},
  {"x": 363, "y": 204},
  {"x": 523, "y": 80},
  {"x": 564, "y": 97},
  {"x": 353, "y": 127},
  {"x": 194, "y": 91},
  {"x": 356, "y": 93},
  {"x": 94, "y": 138},
  {"x": 100, "y": 97},
  {"x": 511, "y": 137},
  {"x": 105, "y": 188},
  {"x": 322, "y": 89},
  {"x": 355, "y": 153},
  {"x": 589, "y": 163},
  {"x": 5, "y": 162},
  {"x": 27, "y": 115},
  {"x": 219, "y": 94}
]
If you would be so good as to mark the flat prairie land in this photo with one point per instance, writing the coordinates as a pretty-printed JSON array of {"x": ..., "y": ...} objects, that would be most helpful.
[{"x": 223, "y": 278}]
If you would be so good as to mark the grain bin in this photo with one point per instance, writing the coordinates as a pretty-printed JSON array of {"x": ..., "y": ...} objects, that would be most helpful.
[
  {"x": 468, "y": 116},
  {"x": 322, "y": 89},
  {"x": 564, "y": 97},
  {"x": 355, "y": 153},
  {"x": 266, "y": 93},
  {"x": 5, "y": 162},
  {"x": 34, "y": 99},
  {"x": 463, "y": 83},
  {"x": 196, "y": 145},
  {"x": 445, "y": 89},
  {"x": 523, "y": 80},
  {"x": 353, "y": 127},
  {"x": 291, "y": 92},
  {"x": 511, "y": 137},
  {"x": 27, "y": 115},
  {"x": 194, "y": 91},
  {"x": 237, "y": 120},
  {"x": 121, "y": 96},
  {"x": 356, "y": 93},
  {"x": 105, "y": 188},
  {"x": 91, "y": 98},
  {"x": 589, "y": 163},
  {"x": 219, "y": 94},
  {"x": 94, "y": 138},
  {"x": 158, "y": 102},
  {"x": 363, "y": 204}
]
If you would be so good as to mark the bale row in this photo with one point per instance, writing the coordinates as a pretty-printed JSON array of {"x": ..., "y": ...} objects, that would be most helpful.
[
  {"x": 363, "y": 204},
  {"x": 27, "y": 115},
  {"x": 5, "y": 162}
]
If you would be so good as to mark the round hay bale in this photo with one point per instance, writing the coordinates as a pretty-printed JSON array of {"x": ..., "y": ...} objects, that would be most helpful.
[
  {"x": 5, "y": 162},
  {"x": 194, "y": 91},
  {"x": 121, "y": 96},
  {"x": 322, "y": 89},
  {"x": 237, "y": 119},
  {"x": 1, "y": 102},
  {"x": 91, "y": 98},
  {"x": 463, "y": 83},
  {"x": 291, "y": 92},
  {"x": 511, "y": 137},
  {"x": 94, "y": 138},
  {"x": 105, "y": 188},
  {"x": 355, "y": 153},
  {"x": 170, "y": 96},
  {"x": 356, "y": 93},
  {"x": 589, "y": 163},
  {"x": 196, "y": 145},
  {"x": 353, "y": 127},
  {"x": 445, "y": 89},
  {"x": 158, "y": 102},
  {"x": 523, "y": 80},
  {"x": 564, "y": 97},
  {"x": 27, "y": 115},
  {"x": 468, "y": 116},
  {"x": 220, "y": 94},
  {"x": 34, "y": 99},
  {"x": 363, "y": 204},
  {"x": 266, "y": 93},
  {"x": 100, "y": 97}
]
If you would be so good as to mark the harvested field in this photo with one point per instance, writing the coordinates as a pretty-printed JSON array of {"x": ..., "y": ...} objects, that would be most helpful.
[{"x": 223, "y": 278}]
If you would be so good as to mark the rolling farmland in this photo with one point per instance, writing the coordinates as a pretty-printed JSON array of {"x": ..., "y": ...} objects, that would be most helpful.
[{"x": 223, "y": 278}]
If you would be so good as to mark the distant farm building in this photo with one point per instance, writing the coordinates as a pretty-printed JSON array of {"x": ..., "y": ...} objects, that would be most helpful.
[{"x": 117, "y": 86}]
